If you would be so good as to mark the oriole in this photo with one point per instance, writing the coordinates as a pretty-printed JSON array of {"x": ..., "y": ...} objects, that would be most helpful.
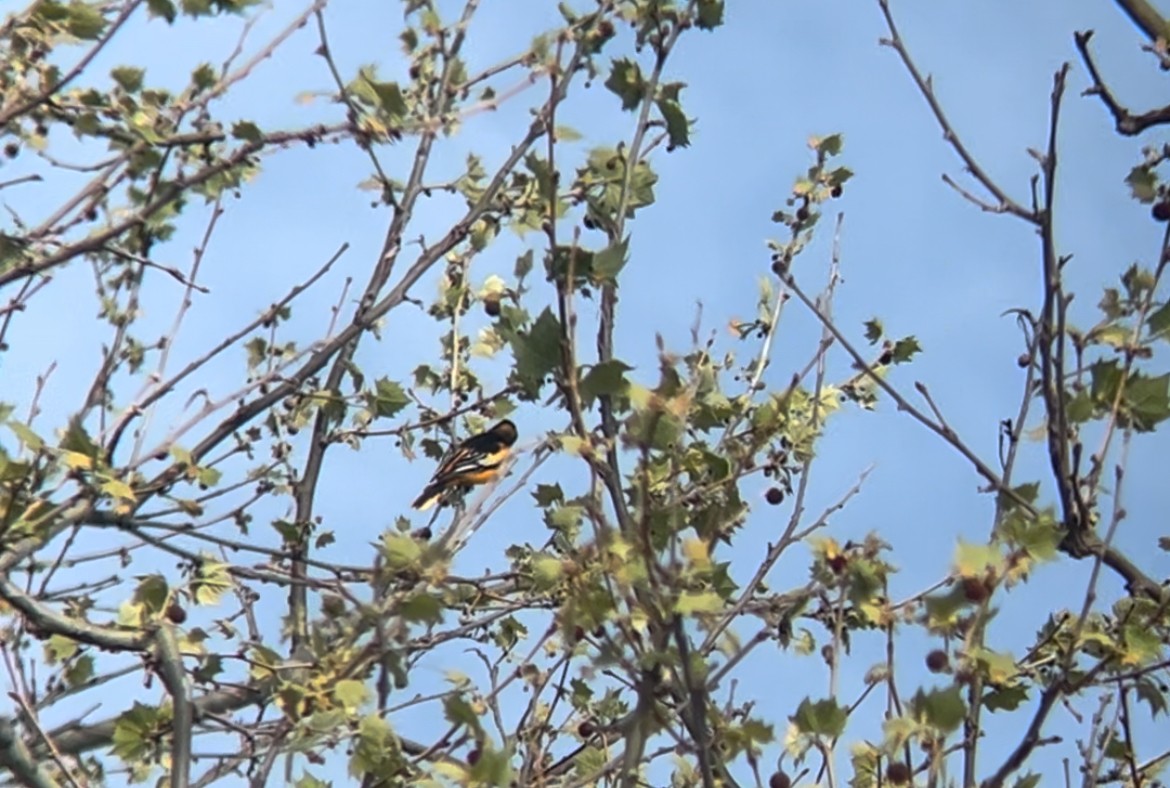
[{"x": 476, "y": 460}]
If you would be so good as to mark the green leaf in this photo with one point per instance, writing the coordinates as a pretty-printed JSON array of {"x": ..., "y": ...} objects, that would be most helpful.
[
  {"x": 1080, "y": 407},
  {"x": 873, "y": 330},
  {"x": 604, "y": 379},
  {"x": 579, "y": 261},
  {"x": 494, "y": 767},
  {"x": 351, "y": 694},
  {"x": 822, "y": 718},
  {"x": 609, "y": 262},
  {"x": 77, "y": 439},
  {"x": 1039, "y": 536},
  {"x": 1029, "y": 780},
  {"x": 1105, "y": 377},
  {"x": 1150, "y": 692},
  {"x": 247, "y": 131},
  {"x": 203, "y": 77},
  {"x": 831, "y": 145},
  {"x": 163, "y": 8},
  {"x": 537, "y": 352},
  {"x": 79, "y": 671},
  {"x": 1110, "y": 304},
  {"x": 1029, "y": 492},
  {"x": 566, "y": 134},
  {"x": 548, "y": 494},
  {"x": 626, "y": 82},
  {"x": 116, "y": 488},
  {"x": 906, "y": 349},
  {"x": 1158, "y": 322},
  {"x": 375, "y": 752},
  {"x": 196, "y": 8},
  {"x": 390, "y": 98},
  {"x": 459, "y": 712},
  {"x": 209, "y": 477},
  {"x": 25, "y": 435},
  {"x": 152, "y": 593},
  {"x": 211, "y": 580},
  {"x": 565, "y": 518},
  {"x": 423, "y": 608},
  {"x": 523, "y": 264},
  {"x": 710, "y": 14},
  {"x": 691, "y": 602},
  {"x": 1006, "y": 698},
  {"x": 974, "y": 560},
  {"x": 1143, "y": 183},
  {"x": 1147, "y": 400},
  {"x": 838, "y": 176},
  {"x": 942, "y": 610},
  {"x": 59, "y": 648},
  {"x": 997, "y": 667},
  {"x": 84, "y": 21},
  {"x": 389, "y": 398},
  {"x": 941, "y": 708},
  {"x": 133, "y": 731},
  {"x": 401, "y": 551},
  {"x": 547, "y": 571},
  {"x": 677, "y": 126},
  {"x": 1143, "y": 645},
  {"x": 1138, "y": 281},
  {"x": 128, "y": 78}
]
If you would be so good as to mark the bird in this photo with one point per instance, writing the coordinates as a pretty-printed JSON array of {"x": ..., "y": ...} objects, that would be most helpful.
[{"x": 476, "y": 460}]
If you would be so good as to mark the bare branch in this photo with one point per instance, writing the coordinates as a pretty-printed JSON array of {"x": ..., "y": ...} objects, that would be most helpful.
[
  {"x": 1124, "y": 121},
  {"x": 1003, "y": 203}
]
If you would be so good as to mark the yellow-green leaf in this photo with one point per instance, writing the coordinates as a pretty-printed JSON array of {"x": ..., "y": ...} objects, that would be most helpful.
[{"x": 690, "y": 602}]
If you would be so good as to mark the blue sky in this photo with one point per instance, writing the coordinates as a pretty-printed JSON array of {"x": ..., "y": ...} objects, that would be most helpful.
[{"x": 913, "y": 252}]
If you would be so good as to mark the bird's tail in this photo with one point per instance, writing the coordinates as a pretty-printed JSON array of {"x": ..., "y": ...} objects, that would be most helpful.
[{"x": 429, "y": 497}]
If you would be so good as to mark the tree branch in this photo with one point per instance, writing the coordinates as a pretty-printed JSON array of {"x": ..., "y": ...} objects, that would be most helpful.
[
  {"x": 170, "y": 663},
  {"x": 1147, "y": 18},
  {"x": 16, "y": 757},
  {"x": 1124, "y": 121},
  {"x": 1004, "y": 203}
]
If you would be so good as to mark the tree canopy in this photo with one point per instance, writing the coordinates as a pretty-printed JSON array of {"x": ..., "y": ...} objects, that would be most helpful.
[{"x": 250, "y": 301}]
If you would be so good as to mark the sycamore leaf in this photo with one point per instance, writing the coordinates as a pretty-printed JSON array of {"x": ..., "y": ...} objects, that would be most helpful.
[
  {"x": 1143, "y": 183},
  {"x": 424, "y": 608},
  {"x": 350, "y": 694},
  {"x": 943, "y": 709},
  {"x": 537, "y": 352},
  {"x": 608, "y": 263},
  {"x": 677, "y": 125},
  {"x": 604, "y": 379},
  {"x": 822, "y": 718},
  {"x": 389, "y": 398},
  {"x": 690, "y": 602},
  {"x": 710, "y": 14},
  {"x": 401, "y": 551},
  {"x": 626, "y": 82}
]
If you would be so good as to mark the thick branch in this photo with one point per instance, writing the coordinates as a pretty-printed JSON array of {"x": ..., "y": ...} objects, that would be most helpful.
[
  {"x": 1147, "y": 18},
  {"x": 170, "y": 662},
  {"x": 49, "y": 620},
  {"x": 75, "y": 739},
  {"x": 15, "y": 756}
]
